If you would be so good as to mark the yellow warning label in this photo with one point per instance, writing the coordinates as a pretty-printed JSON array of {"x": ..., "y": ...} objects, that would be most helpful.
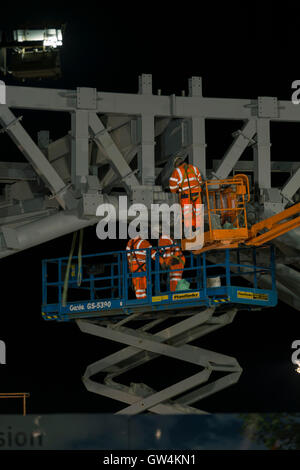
[
  {"x": 251, "y": 295},
  {"x": 187, "y": 295},
  {"x": 159, "y": 298}
]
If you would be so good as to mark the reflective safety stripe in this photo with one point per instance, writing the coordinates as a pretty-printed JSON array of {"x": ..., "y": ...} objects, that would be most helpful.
[
  {"x": 139, "y": 256},
  {"x": 138, "y": 253},
  {"x": 139, "y": 244},
  {"x": 191, "y": 179},
  {"x": 180, "y": 175},
  {"x": 185, "y": 188}
]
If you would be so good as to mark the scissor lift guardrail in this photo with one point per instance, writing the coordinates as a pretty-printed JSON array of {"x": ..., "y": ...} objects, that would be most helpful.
[{"x": 106, "y": 282}]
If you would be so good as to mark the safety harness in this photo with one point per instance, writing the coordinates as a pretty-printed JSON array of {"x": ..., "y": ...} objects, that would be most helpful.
[
  {"x": 172, "y": 255},
  {"x": 193, "y": 196}
]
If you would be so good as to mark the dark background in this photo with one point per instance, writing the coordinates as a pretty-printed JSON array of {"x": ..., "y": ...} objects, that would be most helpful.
[{"x": 241, "y": 50}]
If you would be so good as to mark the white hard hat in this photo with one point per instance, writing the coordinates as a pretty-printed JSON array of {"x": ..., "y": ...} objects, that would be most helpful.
[{"x": 178, "y": 159}]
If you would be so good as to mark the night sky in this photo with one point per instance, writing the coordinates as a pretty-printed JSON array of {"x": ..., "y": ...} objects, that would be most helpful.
[{"x": 242, "y": 50}]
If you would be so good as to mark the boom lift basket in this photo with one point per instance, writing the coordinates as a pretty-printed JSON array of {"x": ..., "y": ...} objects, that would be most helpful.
[{"x": 225, "y": 218}]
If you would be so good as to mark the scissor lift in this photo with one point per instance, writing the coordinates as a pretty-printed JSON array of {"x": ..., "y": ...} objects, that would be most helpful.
[{"x": 162, "y": 325}]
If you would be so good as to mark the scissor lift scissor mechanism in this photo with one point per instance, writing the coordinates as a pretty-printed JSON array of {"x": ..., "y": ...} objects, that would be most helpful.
[{"x": 142, "y": 346}]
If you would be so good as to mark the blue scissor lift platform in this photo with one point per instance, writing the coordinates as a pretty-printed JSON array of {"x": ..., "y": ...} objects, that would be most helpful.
[
  {"x": 104, "y": 305},
  {"x": 106, "y": 290}
]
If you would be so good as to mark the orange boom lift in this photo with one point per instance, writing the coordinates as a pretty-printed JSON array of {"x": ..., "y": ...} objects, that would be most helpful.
[{"x": 225, "y": 217}]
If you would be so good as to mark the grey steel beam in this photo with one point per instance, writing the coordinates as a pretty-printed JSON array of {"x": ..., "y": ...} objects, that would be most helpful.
[
  {"x": 197, "y": 149},
  {"x": 242, "y": 140},
  {"x": 111, "y": 179},
  {"x": 37, "y": 159},
  {"x": 145, "y": 84},
  {"x": 16, "y": 171},
  {"x": 79, "y": 147},
  {"x": 262, "y": 154},
  {"x": 146, "y": 163},
  {"x": 248, "y": 165},
  {"x": 47, "y": 228},
  {"x": 43, "y": 138},
  {"x": 47, "y": 99},
  {"x": 132, "y": 104},
  {"x": 137, "y": 104},
  {"x": 197, "y": 152},
  {"x": 291, "y": 186},
  {"x": 29, "y": 216},
  {"x": 43, "y": 230},
  {"x": 59, "y": 148},
  {"x": 119, "y": 164}
]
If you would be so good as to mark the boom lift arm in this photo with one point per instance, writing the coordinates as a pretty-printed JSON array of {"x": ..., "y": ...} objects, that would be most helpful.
[{"x": 276, "y": 226}]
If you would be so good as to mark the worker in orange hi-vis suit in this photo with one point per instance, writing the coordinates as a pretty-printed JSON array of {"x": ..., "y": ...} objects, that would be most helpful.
[
  {"x": 137, "y": 262},
  {"x": 186, "y": 179},
  {"x": 171, "y": 258}
]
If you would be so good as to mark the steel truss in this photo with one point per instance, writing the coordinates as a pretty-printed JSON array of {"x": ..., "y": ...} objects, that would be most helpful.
[
  {"x": 59, "y": 188},
  {"x": 142, "y": 346}
]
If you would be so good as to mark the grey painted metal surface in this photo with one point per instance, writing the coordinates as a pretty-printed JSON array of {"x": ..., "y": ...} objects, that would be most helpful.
[
  {"x": 122, "y": 143},
  {"x": 143, "y": 346},
  {"x": 242, "y": 140},
  {"x": 129, "y": 147},
  {"x": 37, "y": 159}
]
